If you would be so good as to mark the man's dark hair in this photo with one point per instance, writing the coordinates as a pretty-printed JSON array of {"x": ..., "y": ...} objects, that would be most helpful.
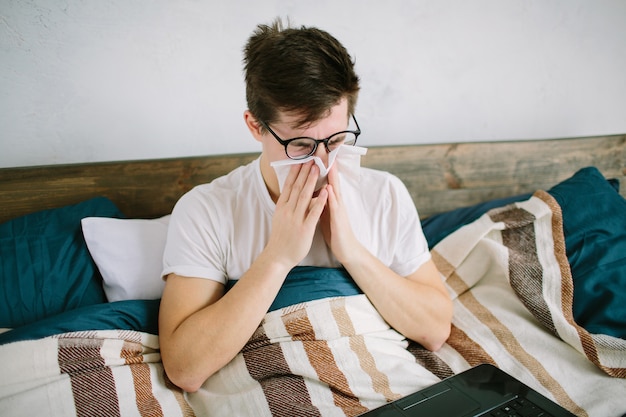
[{"x": 305, "y": 71}]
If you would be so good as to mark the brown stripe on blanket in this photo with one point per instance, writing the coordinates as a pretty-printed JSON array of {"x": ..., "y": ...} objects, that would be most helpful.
[
  {"x": 558, "y": 238},
  {"x": 567, "y": 282},
  {"x": 448, "y": 270},
  {"x": 286, "y": 394},
  {"x": 525, "y": 269},
  {"x": 429, "y": 360},
  {"x": 380, "y": 381},
  {"x": 298, "y": 325},
  {"x": 132, "y": 352},
  {"x": 147, "y": 404},
  {"x": 130, "y": 336},
  {"x": 93, "y": 386},
  {"x": 471, "y": 351},
  {"x": 322, "y": 360},
  {"x": 342, "y": 318}
]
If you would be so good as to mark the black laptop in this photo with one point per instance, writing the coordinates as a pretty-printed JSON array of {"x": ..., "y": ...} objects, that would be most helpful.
[{"x": 483, "y": 390}]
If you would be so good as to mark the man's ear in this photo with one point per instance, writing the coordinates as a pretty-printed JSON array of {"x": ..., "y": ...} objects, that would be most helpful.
[{"x": 254, "y": 126}]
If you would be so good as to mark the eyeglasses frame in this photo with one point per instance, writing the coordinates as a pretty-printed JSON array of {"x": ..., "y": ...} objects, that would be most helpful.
[{"x": 325, "y": 141}]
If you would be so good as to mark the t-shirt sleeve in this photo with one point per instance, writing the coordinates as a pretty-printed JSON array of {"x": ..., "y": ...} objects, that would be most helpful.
[
  {"x": 411, "y": 245},
  {"x": 193, "y": 240}
]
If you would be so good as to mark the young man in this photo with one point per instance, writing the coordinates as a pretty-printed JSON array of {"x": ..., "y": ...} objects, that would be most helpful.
[{"x": 244, "y": 226}]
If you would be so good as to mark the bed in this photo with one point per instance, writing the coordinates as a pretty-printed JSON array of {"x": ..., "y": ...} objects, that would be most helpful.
[{"x": 529, "y": 236}]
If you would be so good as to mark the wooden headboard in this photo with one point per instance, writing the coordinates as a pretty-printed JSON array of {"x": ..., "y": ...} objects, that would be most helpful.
[{"x": 440, "y": 177}]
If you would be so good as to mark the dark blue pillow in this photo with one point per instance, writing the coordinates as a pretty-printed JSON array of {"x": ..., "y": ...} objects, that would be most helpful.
[
  {"x": 594, "y": 223},
  {"x": 308, "y": 283},
  {"x": 140, "y": 315},
  {"x": 438, "y": 226},
  {"x": 45, "y": 267}
]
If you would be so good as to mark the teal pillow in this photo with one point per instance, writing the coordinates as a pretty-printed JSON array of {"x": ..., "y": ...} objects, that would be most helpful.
[
  {"x": 308, "y": 283},
  {"x": 594, "y": 224},
  {"x": 438, "y": 226},
  {"x": 45, "y": 267},
  {"x": 139, "y": 315}
]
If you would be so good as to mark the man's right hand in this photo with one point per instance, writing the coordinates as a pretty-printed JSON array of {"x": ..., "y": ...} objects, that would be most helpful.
[{"x": 297, "y": 214}]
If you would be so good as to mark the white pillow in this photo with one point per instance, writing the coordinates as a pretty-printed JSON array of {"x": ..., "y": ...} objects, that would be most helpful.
[{"x": 129, "y": 255}]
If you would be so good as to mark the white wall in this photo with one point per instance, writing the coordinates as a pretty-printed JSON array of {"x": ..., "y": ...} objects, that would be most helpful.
[{"x": 127, "y": 79}]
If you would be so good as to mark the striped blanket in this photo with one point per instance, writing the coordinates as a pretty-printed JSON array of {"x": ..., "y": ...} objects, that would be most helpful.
[
  {"x": 509, "y": 277},
  {"x": 512, "y": 289},
  {"x": 97, "y": 373}
]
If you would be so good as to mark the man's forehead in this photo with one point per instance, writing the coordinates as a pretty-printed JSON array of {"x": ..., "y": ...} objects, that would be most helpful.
[
  {"x": 298, "y": 121},
  {"x": 328, "y": 125}
]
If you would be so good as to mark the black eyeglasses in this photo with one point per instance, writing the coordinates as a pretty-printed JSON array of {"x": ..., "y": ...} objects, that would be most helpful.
[{"x": 302, "y": 147}]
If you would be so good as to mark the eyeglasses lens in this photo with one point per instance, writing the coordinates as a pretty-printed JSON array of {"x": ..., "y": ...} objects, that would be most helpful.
[{"x": 303, "y": 147}]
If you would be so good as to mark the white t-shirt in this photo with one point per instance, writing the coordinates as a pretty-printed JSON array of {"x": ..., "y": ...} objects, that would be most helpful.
[{"x": 218, "y": 229}]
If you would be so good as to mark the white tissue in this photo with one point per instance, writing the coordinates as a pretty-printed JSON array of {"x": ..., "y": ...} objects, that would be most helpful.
[{"x": 349, "y": 164}]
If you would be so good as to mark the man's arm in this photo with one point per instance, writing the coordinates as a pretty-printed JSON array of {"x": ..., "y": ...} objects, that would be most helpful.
[
  {"x": 200, "y": 328},
  {"x": 418, "y": 306}
]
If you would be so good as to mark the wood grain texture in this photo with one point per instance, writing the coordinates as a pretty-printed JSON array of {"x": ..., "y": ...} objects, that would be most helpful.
[
  {"x": 439, "y": 177},
  {"x": 141, "y": 189},
  {"x": 448, "y": 176}
]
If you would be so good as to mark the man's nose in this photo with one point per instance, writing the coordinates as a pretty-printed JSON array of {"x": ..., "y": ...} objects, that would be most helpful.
[{"x": 322, "y": 153}]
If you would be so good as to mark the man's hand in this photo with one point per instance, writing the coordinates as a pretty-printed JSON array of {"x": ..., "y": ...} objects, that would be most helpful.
[
  {"x": 296, "y": 216},
  {"x": 335, "y": 221},
  {"x": 201, "y": 327}
]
